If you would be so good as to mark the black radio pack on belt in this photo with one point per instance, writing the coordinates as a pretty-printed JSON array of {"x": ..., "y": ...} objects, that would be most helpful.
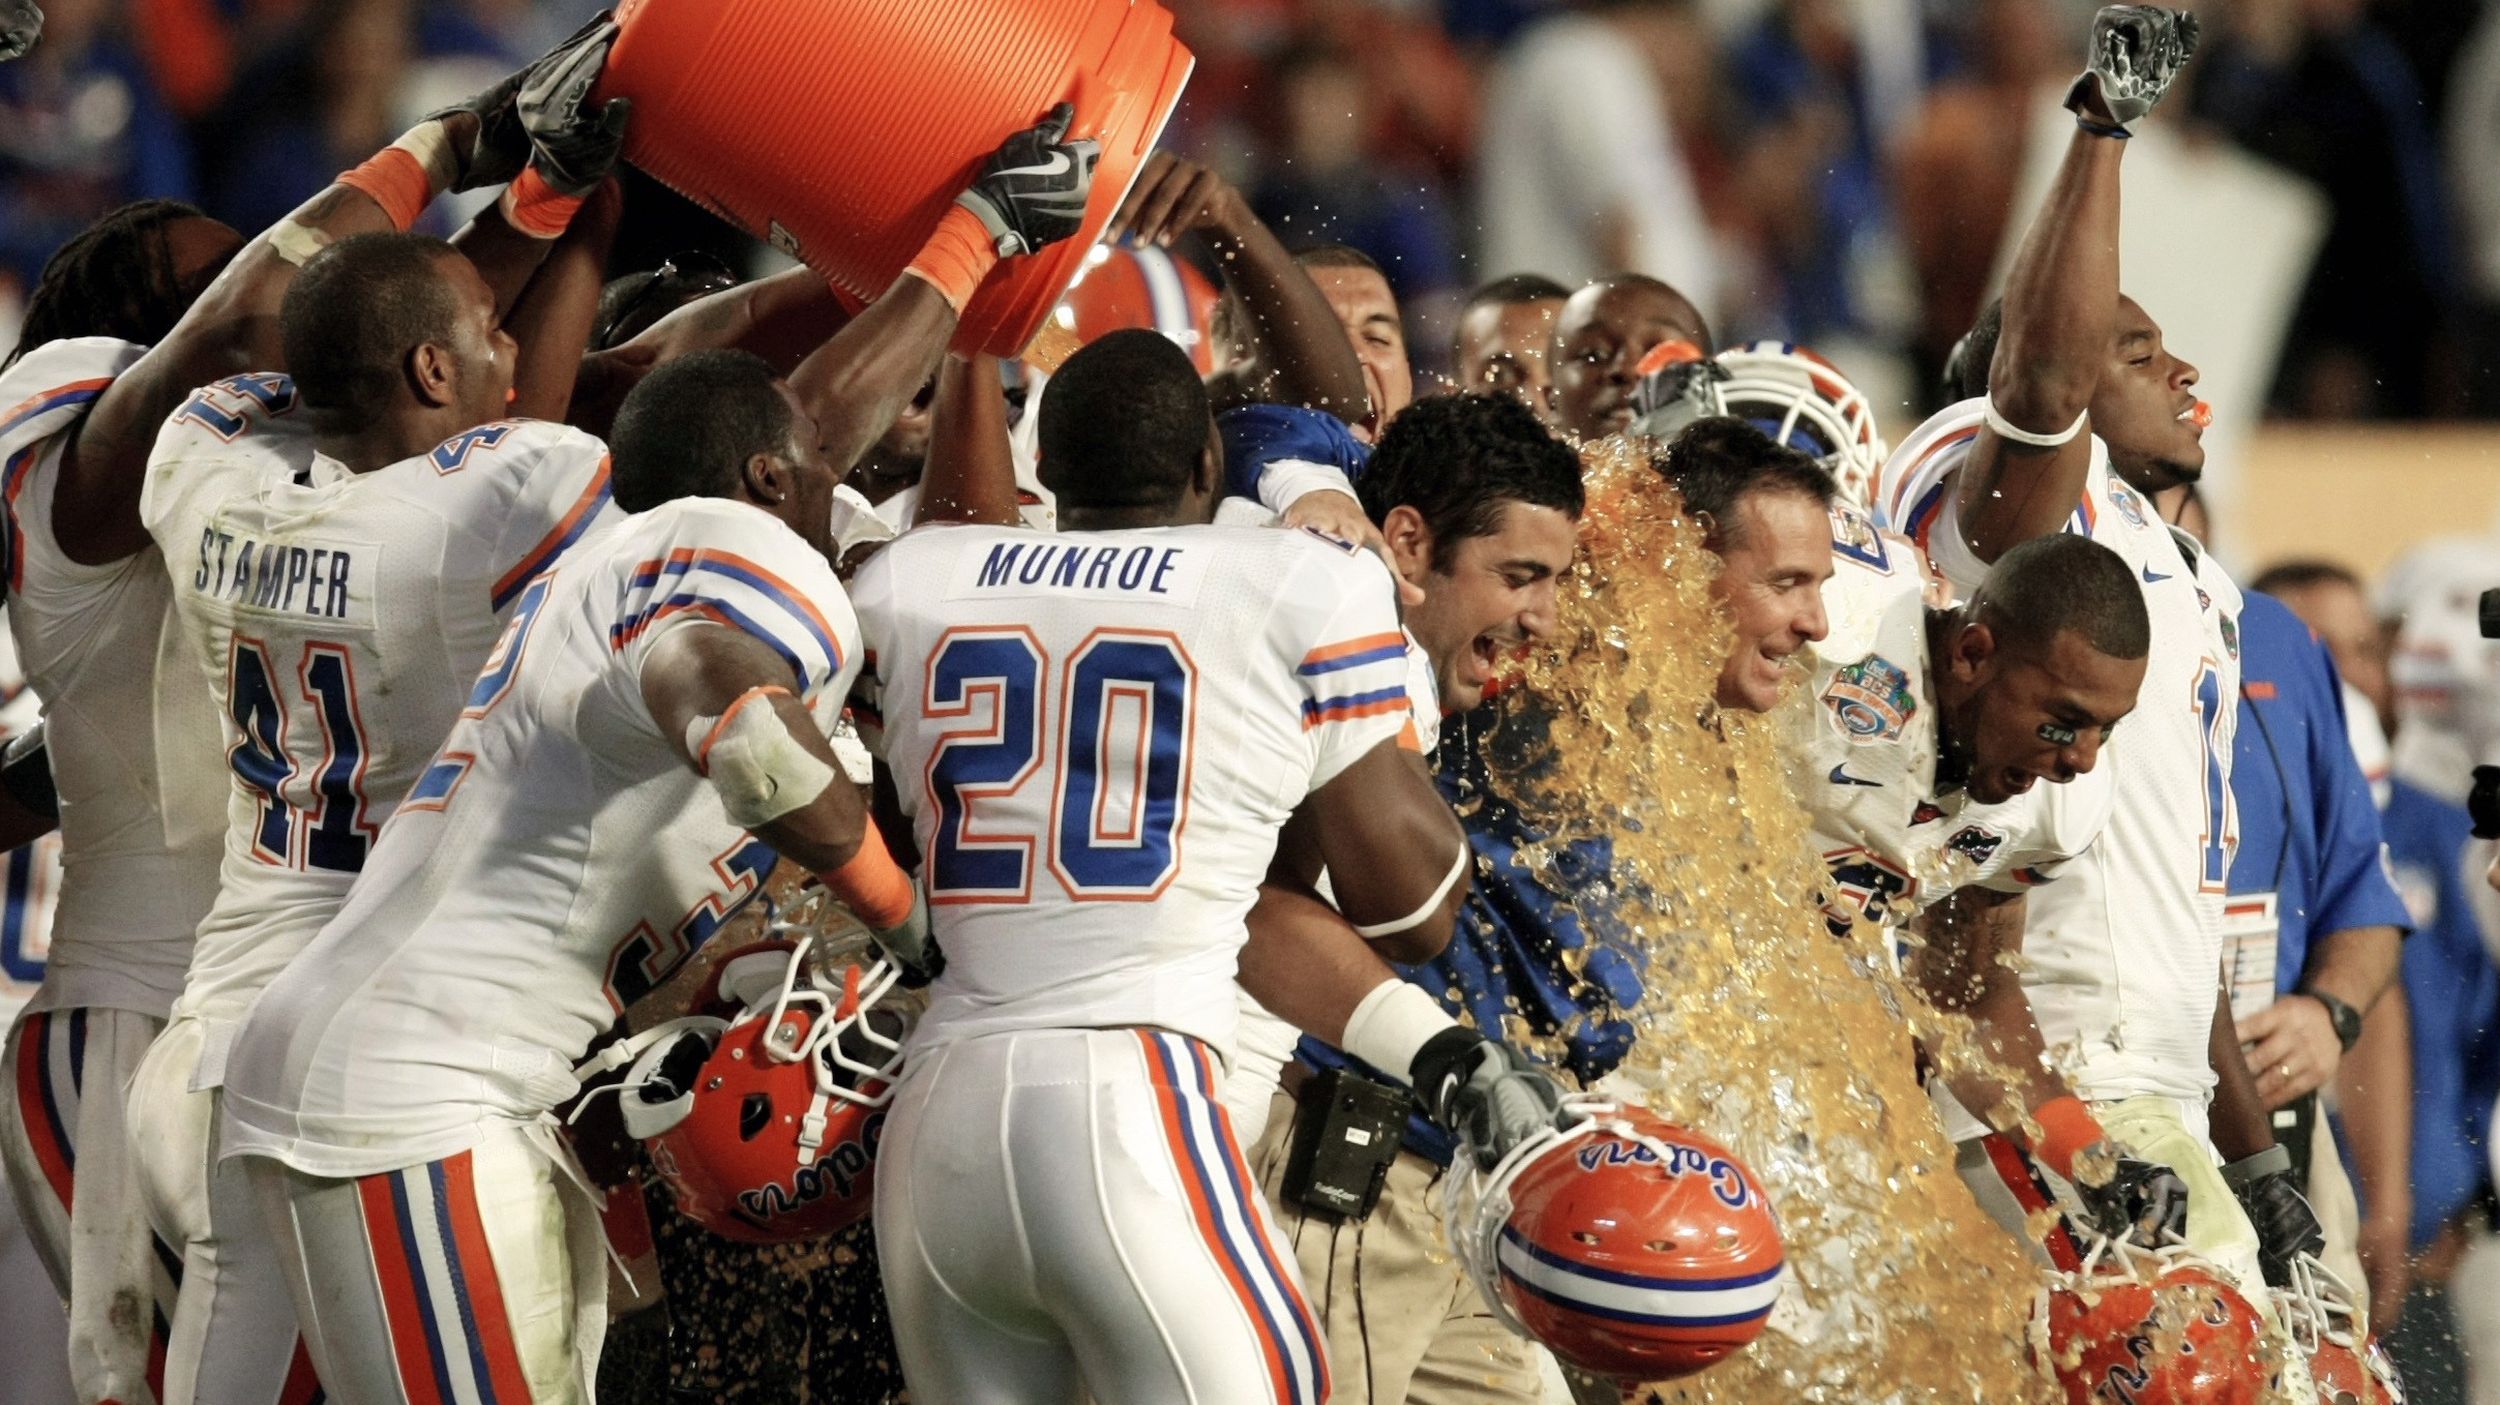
[{"x": 1346, "y": 1132}]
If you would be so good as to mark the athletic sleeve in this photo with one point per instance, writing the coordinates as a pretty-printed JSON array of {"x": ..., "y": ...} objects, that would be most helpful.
[
  {"x": 2354, "y": 888},
  {"x": 872, "y": 596},
  {"x": 1339, "y": 633},
  {"x": 1276, "y": 453},
  {"x": 556, "y": 479},
  {"x": 735, "y": 566},
  {"x": 242, "y": 429}
]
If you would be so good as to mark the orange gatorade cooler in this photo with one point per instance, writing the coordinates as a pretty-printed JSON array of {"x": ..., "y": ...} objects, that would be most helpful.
[{"x": 840, "y": 130}]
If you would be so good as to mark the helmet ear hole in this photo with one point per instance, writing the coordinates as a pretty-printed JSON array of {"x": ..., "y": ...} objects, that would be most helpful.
[{"x": 754, "y": 1115}]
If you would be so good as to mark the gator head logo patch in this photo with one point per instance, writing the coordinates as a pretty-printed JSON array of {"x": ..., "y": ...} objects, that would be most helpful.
[
  {"x": 1871, "y": 700},
  {"x": 2128, "y": 504},
  {"x": 1976, "y": 842},
  {"x": 2230, "y": 635}
]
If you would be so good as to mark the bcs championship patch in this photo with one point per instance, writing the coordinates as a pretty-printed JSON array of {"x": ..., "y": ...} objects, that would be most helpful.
[{"x": 1871, "y": 700}]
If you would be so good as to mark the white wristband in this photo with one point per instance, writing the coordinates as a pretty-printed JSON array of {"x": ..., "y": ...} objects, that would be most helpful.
[
  {"x": 2008, "y": 430},
  {"x": 1393, "y": 1022},
  {"x": 1458, "y": 866}
]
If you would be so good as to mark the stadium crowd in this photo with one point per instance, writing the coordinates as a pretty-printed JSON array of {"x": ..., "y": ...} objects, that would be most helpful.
[{"x": 619, "y": 567}]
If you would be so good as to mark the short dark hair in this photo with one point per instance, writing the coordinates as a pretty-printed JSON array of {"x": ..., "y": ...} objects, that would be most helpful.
[
  {"x": 688, "y": 429},
  {"x": 1701, "y": 321},
  {"x": 1457, "y": 460},
  {"x": 356, "y": 310},
  {"x": 1716, "y": 462},
  {"x": 628, "y": 305},
  {"x": 1513, "y": 290},
  {"x": 2302, "y": 573},
  {"x": 1966, "y": 368},
  {"x": 1124, "y": 423},
  {"x": 1328, "y": 253},
  {"x": 2048, "y": 585},
  {"x": 115, "y": 278}
]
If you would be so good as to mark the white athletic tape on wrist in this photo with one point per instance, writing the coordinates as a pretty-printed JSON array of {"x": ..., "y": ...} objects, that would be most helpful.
[
  {"x": 759, "y": 769},
  {"x": 1449, "y": 880},
  {"x": 2008, "y": 430},
  {"x": 430, "y": 143},
  {"x": 297, "y": 243},
  {"x": 1393, "y": 1022}
]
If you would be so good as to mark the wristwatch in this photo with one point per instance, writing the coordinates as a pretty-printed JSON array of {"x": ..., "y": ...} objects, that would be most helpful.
[{"x": 2346, "y": 1019}]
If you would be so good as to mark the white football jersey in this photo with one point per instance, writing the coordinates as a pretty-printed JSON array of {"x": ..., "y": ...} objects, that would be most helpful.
[
  {"x": 336, "y": 620},
  {"x": 2124, "y": 952},
  {"x": 1866, "y": 746},
  {"x": 134, "y": 763},
  {"x": 30, "y": 874},
  {"x": 554, "y": 864},
  {"x": 1097, "y": 737}
]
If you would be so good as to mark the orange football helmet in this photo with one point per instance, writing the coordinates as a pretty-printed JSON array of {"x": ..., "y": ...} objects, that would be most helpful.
[
  {"x": 1630, "y": 1247},
  {"x": 1122, "y": 286},
  {"x": 2151, "y": 1328},
  {"x": 763, "y": 1112},
  {"x": 2345, "y": 1360}
]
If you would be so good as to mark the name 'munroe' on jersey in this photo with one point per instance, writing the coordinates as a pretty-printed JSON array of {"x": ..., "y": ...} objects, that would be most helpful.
[
  {"x": 2123, "y": 949},
  {"x": 337, "y": 619},
  {"x": 1866, "y": 748},
  {"x": 1104, "y": 733},
  {"x": 555, "y": 861}
]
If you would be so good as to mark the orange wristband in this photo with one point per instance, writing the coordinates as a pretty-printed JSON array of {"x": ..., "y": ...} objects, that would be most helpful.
[
  {"x": 396, "y": 181},
  {"x": 957, "y": 257},
  {"x": 532, "y": 207},
  {"x": 2066, "y": 1128},
  {"x": 871, "y": 884}
]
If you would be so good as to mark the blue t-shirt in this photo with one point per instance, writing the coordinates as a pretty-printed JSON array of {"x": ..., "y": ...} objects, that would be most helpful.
[
  {"x": 1516, "y": 945},
  {"x": 2309, "y": 832},
  {"x": 1257, "y": 437},
  {"x": 2454, "y": 992}
]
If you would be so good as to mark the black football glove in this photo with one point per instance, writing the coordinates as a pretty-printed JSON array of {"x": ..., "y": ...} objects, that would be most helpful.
[
  {"x": 2142, "y": 1201},
  {"x": 2137, "y": 52},
  {"x": 911, "y": 944},
  {"x": 1032, "y": 192},
  {"x": 2286, "y": 1227},
  {"x": 573, "y": 145},
  {"x": 1490, "y": 1095}
]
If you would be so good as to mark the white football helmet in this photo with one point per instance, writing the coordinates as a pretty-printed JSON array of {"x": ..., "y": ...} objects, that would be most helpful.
[{"x": 1803, "y": 401}]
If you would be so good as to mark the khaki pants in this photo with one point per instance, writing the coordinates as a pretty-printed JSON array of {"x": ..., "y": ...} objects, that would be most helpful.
[
  {"x": 1404, "y": 1321},
  {"x": 2338, "y": 1212}
]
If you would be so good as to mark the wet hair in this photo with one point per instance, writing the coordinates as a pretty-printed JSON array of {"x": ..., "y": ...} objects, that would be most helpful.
[
  {"x": 1458, "y": 460},
  {"x": 2302, "y": 574},
  {"x": 1513, "y": 290},
  {"x": 1125, "y": 422},
  {"x": 115, "y": 278},
  {"x": 1701, "y": 324},
  {"x": 688, "y": 429},
  {"x": 1717, "y": 462},
  {"x": 356, "y": 311},
  {"x": 1966, "y": 368},
  {"x": 2048, "y": 585}
]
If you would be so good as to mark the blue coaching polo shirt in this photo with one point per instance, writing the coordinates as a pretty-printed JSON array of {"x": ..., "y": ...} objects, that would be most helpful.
[
  {"x": 2311, "y": 858},
  {"x": 1517, "y": 945}
]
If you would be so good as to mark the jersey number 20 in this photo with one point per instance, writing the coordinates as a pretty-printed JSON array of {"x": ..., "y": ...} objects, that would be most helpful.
[{"x": 1118, "y": 747}]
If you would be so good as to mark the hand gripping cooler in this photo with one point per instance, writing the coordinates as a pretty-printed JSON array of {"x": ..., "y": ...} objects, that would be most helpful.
[{"x": 840, "y": 130}]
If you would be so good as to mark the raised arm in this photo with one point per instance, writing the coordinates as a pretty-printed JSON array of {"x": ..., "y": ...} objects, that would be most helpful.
[
  {"x": 855, "y": 384},
  {"x": 1303, "y": 356},
  {"x": 969, "y": 474},
  {"x": 2026, "y": 469},
  {"x": 552, "y": 320},
  {"x": 233, "y": 327}
]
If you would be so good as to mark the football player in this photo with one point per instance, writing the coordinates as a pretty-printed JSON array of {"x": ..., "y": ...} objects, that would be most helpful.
[
  {"x": 343, "y": 546},
  {"x": 578, "y": 786},
  {"x": 127, "y": 320},
  {"x": 1505, "y": 339},
  {"x": 1599, "y": 339},
  {"x": 1101, "y": 734},
  {"x": 2077, "y": 411}
]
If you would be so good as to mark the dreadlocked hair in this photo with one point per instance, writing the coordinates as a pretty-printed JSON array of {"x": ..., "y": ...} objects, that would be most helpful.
[{"x": 115, "y": 278}]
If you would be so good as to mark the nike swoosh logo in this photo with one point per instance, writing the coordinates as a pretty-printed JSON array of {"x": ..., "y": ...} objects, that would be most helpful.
[
  {"x": 2153, "y": 577},
  {"x": 1058, "y": 162},
  {"x": 1842, "y": 777}
]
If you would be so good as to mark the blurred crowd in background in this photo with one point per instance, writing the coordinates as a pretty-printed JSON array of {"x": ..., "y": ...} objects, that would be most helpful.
[{"x": 1836, "y": 172}]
